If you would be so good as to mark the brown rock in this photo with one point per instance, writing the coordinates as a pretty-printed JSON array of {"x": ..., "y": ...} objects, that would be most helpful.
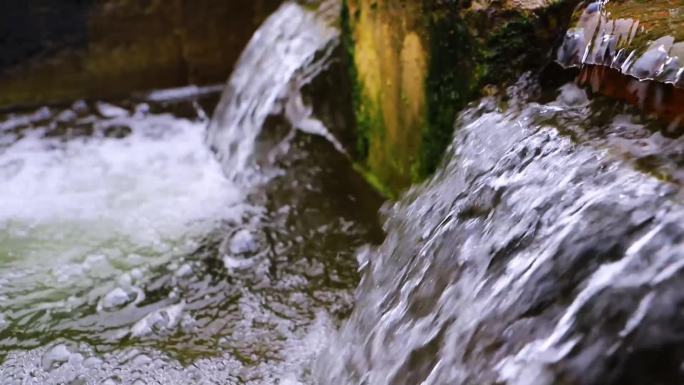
[{"x": 631, "y": 50}]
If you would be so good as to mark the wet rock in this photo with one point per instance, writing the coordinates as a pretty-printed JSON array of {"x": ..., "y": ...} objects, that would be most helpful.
[
  {"x": 639, "y": 39},
  {"x": 630, "y": 50}
]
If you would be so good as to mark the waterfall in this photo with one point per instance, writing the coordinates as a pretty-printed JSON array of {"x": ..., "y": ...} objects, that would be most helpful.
[
  {"x": 285, "y": 54},
  {"x": 536, "y": 255}
]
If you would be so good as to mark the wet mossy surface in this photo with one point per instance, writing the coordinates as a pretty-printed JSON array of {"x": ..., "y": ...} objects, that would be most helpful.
[
  {"x": 467, "y": 49},
  {"x": 452, "y": 81}
]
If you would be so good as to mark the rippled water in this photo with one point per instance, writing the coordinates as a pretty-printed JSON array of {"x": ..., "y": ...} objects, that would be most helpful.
[
  {"x": 546, "y": 250},
  {"x": 126, "y": 255}
]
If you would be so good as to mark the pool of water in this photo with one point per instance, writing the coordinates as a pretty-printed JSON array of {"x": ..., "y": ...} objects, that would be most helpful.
[{"x": 127, "y": 257}]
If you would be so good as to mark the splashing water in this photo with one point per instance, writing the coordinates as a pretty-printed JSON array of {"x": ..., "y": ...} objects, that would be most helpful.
[
  {"x": 127, "y": 257},
  {"x": 537, "y": 254},
  {"x": 290, "y": 49}
]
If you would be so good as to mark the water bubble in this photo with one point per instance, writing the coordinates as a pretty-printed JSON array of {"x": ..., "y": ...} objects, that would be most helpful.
[
  {"x": 111, "y": 381},
  {"x": 116, "y": 299},
  {"x": 56, "y": 357},
  {"x": 141, "y": 360},
  {"x": 80, "y": 106},
  {"x": 68, "y": 272},
  {"x": 243, "y": 242},
  {"x": 237, "y": 264},
  {"x": 125, "y": 280},
  {"x": 137, "y": 275},
  {"x": 142, "y": 109},
  {"x": 184, "y": 271},
  {"x": 164, "y": 319},
  {"x": 67, "y": 116},
  {"x": 240, "y": 249},
  {"x": 79, "y": 380},
  {"x": 92, "y": 363}
]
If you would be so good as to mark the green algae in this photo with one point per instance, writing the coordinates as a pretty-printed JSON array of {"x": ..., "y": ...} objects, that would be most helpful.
[{"x": 466, "y": 51}]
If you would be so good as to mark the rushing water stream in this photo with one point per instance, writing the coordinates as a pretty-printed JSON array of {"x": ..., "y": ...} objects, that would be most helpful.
[
  {"x": 537, "y": 254},
  {"x": 141, "y": 243}
]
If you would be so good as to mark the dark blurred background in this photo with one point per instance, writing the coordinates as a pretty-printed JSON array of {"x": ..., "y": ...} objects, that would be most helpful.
[{"x": 55, "y": 51}]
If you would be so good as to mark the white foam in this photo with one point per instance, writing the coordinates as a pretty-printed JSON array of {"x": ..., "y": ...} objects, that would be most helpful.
[{"x": 154, "y": 187}]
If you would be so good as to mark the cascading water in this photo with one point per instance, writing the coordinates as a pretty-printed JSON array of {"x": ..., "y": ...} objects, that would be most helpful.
[
  {"x": 536, "y": 255},
  {"x": 290, "y": 49}
]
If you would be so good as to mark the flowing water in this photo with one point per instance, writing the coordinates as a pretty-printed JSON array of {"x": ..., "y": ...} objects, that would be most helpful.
[
  {"x": 130, "y": 255},
  {"x": 289, "y": 50},
  {"x": 143, "y": 244},
  {"x": 547, "y": 249}
]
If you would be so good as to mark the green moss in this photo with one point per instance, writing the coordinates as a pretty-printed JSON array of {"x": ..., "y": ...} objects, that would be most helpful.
[
  {"x": 467, "y": 49},
  {"x": 368, "y": 116},
  {"x": 374, "y": 181},
  {"x": 452, "y": 79},
  {"x": 508, "y": 50},
  {"x": 472, "y": 49},
  {"x": 360, "y": 106}
]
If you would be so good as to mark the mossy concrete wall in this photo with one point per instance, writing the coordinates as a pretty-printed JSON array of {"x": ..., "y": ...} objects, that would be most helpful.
[
  {"x": 56, "y": 51},
  {"x": 417, "y": 63}
]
